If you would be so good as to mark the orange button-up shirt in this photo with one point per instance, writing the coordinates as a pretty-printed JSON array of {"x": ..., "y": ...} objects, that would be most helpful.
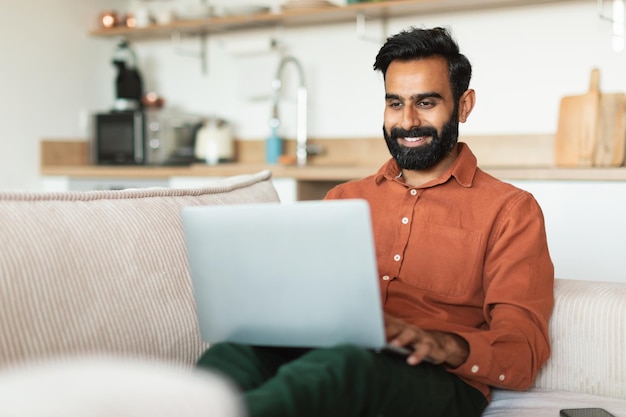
[{"x": 467, "y": 254}]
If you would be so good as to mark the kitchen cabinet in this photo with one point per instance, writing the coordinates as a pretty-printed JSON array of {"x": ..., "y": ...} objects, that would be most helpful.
[{"x": 319, "y": 16}]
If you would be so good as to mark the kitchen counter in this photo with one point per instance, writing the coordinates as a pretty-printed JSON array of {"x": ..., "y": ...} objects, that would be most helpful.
[{"x": 505, "y": 157}]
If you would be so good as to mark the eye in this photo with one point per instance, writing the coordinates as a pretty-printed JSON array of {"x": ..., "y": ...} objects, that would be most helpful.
[
  {"x": 425, "y": 104},
  {"x": 394, "y": 104}
]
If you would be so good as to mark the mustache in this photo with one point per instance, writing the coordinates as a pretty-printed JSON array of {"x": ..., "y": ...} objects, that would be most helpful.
[{"x": 398, "y": 132}]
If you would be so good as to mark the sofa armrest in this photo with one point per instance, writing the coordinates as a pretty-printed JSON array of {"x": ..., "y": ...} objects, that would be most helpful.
[
  {"x": 588, "y": 334},
  {"x": 99, "y": 386}
]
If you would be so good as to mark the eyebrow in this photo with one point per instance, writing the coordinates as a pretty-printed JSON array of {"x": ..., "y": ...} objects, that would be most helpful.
[{"x": 415, "y": 97}]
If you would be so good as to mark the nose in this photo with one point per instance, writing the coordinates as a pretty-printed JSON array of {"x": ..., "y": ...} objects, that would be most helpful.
[{"x": 410, "y": 118}]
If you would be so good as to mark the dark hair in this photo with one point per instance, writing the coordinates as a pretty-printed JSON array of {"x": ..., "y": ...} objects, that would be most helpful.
[{"x": 424, "y": 43}]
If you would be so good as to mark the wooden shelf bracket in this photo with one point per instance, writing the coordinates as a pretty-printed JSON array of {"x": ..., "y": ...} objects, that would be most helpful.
[
  {"x": 361, "y": 29},
  {"x": 201, "y": 53}
]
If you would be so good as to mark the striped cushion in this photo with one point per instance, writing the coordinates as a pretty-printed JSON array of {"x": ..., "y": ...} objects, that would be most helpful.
[
  {"x": 104, "y": 271},
  {"x": 588, "y": 332}
]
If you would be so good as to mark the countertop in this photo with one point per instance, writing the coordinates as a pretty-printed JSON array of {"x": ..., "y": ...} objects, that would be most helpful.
[{"x": 507, "y": 157}]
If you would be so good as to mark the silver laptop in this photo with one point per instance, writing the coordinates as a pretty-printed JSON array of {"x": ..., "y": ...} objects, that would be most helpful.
[{"x": 285, "y": 274}]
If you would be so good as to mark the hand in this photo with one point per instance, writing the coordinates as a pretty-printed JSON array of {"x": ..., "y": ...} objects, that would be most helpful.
[{"x": 432, "y": 346}]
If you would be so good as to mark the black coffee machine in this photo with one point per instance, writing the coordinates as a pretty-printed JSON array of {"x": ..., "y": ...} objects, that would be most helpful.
[
  {"x": 128, "y": 83},
  {"x": 119, "y": 135}
]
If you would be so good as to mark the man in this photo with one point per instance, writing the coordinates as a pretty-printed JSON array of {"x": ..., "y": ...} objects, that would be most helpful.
[{"x": 465, "y": 274}]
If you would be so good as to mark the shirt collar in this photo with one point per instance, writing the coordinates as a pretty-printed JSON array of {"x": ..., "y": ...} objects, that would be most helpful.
[{"x": 463, "y": 169}]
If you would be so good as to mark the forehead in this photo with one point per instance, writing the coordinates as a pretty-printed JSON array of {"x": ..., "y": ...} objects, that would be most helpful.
[{"x": 418, "y": 75}]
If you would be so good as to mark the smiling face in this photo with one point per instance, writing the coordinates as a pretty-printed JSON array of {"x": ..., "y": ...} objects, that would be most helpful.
[{"x": 421, "y": 114}]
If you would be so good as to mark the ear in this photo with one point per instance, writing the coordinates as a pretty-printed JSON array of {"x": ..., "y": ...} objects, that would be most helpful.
[{"x": 466, "y": 104}]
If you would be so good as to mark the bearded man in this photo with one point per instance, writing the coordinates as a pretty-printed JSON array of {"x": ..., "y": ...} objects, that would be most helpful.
[{"x": 464, "y": 270}]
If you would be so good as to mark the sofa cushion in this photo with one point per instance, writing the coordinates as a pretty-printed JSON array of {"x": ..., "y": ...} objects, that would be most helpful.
[
  {"x": 104, "y": 271},
  {"x": 588, "y": 331},
  {"x": 538, "y": 402}
]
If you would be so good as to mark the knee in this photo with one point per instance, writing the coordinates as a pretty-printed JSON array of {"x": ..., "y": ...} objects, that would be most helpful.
[
  {"x": 354, "y": 359},
  {"x": 223, "y": 347},
  {"x": 353, "y": 352},
  {"x": 217, "y": 350}
]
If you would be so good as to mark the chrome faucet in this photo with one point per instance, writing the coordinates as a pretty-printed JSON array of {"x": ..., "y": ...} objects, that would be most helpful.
[{"x": 301, "y": 107}]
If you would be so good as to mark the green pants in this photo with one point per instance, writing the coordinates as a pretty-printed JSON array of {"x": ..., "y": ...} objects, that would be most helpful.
[{"x": 342, "y": 381}]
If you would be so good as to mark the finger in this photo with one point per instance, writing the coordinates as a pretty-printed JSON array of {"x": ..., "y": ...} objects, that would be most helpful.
[
  {"x": 421, "y": 353},
  {"x": 392, "y": 327},
  {"x": 417, "y": 359},
  {"x": 392, "y": 331},
  {"x": 406, "y": 337}
]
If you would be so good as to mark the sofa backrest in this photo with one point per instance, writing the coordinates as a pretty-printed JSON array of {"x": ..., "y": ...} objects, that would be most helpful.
[
  {"x": 104, "y": 272},
  {"x": 588, "y": 334}
]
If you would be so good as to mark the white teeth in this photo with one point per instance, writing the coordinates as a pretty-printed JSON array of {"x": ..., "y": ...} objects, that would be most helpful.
[{"x": 413, "y": 139}]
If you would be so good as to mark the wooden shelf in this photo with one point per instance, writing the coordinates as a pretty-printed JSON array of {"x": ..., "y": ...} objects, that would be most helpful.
[{"x": 375, "y": 10}]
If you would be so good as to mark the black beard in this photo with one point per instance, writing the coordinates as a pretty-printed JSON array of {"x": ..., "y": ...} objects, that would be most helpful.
[{"x": 425, "y": 156}]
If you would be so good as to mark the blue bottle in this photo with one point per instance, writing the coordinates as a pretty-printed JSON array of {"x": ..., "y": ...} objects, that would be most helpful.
[{"x": 273, "y": 147}]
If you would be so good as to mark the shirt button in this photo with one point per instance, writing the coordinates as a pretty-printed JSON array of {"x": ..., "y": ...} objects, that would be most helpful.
[
  {"x": 501, "y": 377},
  {"x": 475, "y": 369},
  {"x": 413, "y": 192},
  {"x": 397, "y": 258},
  {"x": 386, "y": 278},
  {"x": 405, "y": 220}
]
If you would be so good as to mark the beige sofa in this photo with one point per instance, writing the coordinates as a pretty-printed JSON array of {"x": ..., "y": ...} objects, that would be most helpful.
[{"x": 96, "y": 310}]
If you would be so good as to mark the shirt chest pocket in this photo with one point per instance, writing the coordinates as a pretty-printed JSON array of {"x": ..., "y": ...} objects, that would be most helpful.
[{"x": 443, "y": 259}]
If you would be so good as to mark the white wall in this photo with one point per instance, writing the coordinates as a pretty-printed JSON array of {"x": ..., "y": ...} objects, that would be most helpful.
[
  {"x": 51, "y": 73},
  {"x": 586, "y": 227}
]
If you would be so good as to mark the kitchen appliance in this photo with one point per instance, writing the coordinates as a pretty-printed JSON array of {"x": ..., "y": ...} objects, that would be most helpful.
[
  {"x": 119, "y": 138},
  {"x": 128, "y": 83},
  {"x": 145, "y": 137},
  {"x": 171, "y": 137},
  {"x": 215, "y": 142}
]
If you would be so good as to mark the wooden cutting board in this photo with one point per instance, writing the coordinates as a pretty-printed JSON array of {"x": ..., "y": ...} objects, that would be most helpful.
[
  {"x": 611, "y": 140},
  {"x": 578, "y": 126}
]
